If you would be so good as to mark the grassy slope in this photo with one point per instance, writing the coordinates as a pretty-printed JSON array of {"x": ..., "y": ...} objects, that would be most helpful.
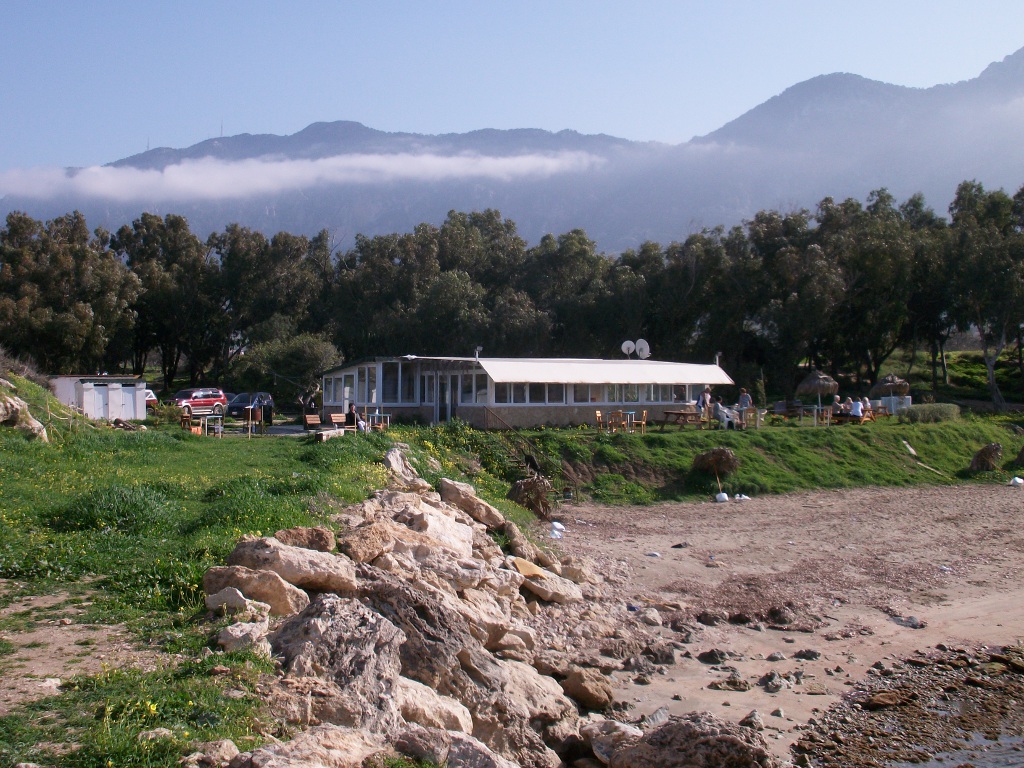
[{"x": 140, "y": 516}]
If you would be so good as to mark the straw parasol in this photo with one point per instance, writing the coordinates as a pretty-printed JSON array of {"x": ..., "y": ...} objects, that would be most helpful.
[
  {"x": 721, "y": 461},
  {"x": 818, "y": 383},
  {"x": 890, "y": 385}
]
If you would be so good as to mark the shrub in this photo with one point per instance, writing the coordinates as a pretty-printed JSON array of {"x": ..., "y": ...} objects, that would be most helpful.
[{"x": 929, "y": 413}]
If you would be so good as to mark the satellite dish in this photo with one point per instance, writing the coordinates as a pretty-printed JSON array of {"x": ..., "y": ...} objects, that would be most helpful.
[
  {"x": 643, "y": 349},
  {"x": 628, "y": 347}
]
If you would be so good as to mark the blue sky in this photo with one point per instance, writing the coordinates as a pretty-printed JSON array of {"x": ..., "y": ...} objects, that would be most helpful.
[{"x": 85, "y": 83}]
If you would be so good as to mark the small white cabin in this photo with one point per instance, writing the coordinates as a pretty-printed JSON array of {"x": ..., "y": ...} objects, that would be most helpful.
[
  {"x": 102, "y": 397},
  {"x": 501, "y": 393}
]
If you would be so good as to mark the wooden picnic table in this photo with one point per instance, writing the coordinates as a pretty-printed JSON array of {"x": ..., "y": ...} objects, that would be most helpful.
[{"x": 682, "y": 418}]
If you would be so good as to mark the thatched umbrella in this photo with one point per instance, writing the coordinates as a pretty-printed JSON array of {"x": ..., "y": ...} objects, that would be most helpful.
[
  {"x": 721, "y": 461},
  {"x": 818, "y": 383},
  {"x": 890, "y": 385}
]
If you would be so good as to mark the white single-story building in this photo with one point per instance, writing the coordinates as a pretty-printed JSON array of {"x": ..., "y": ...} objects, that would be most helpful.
[
  {"x": 508, "y": 392},
  {"x": 102, "y": 397}
]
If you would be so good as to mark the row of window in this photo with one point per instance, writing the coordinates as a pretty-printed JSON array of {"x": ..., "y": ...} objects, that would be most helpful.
[{"x": 398, "y": 386}]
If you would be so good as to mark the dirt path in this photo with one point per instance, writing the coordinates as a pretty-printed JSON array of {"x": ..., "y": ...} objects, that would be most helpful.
[
  {"x": 871, "y": 575},
  {"x": 47, "y": 640}
]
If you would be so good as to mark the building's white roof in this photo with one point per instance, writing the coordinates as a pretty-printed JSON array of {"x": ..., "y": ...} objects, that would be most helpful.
[{"x": 589, "y": 371}]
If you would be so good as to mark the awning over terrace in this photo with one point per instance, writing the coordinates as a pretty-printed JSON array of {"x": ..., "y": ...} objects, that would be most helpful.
[{"x": 581, "y": 371}]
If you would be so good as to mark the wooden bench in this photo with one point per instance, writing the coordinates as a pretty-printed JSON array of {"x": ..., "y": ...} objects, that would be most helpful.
[
  {"x": 311, "y": 421},
  {"x": 338, "y": 422}
]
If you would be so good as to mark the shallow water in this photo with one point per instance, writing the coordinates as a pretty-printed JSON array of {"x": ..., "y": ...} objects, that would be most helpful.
[{"x": 1007, "y": 752}]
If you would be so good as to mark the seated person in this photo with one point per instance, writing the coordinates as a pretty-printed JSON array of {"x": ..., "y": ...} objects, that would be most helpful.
[
  {"x": 723, "y": 414},
  {"x": 353, "y": 419},
  {"x": 856, "y": 408}
]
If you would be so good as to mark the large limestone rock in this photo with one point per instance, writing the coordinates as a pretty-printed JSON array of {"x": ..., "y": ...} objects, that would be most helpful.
[
  {"x": 520, "y": 546},
  {"x": 230, "y": 602},
  {"x": 463, "y": 496},
  {"x": 367, "y": 542},
  {"x": 319, "y": 538},
  {"x": 403, "y": 475},
  {"x": 696, "y": 740},
  {"x": 14, "y": 412},
  {"x": 445, "y": 528},
  {"x": 324, "y": 746},
  {"x": 341, "y": 640},
  {"x": 245, "y": 634},
  {"x": 589, "y": 687},
  {"x": 307, "y": 568},
  {"x": 551, "y": 588},
  {"x": 425, "y": 706},
  {"x": 451, "y": 748},
  {"x": 264, "y": 586},
  {"x": 441, "y": 652},
  {"x": 606, "y": 737}
]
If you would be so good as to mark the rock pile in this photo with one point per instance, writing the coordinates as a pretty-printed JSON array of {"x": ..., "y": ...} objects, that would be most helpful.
[{"x": 421, "y": 636}]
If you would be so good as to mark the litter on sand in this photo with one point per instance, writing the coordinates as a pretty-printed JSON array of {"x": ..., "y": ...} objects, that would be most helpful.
[{"x": 1017, "y": 482}]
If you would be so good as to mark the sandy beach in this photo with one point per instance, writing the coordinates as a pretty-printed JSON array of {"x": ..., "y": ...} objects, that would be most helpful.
[{"x": 866, "y": 576}]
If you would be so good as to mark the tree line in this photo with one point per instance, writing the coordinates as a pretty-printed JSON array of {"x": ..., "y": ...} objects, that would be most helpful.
[{"x": 840, "y": 288}]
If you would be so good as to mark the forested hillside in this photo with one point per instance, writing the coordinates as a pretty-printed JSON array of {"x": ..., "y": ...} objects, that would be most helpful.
[{"x": 841, "y": 287}]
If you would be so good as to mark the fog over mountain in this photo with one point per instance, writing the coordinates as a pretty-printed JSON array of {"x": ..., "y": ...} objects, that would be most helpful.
[{"x": 839, "y": 135}]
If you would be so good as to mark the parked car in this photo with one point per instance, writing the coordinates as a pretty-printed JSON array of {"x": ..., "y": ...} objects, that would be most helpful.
[
  {"x": 200, "y": 402},
  {"x": 243, "y": 400},
  {"x": 151, "y": 401}
]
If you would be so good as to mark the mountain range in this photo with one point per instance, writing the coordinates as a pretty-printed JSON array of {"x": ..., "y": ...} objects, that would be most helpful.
[{"x": 838, "y": 135}]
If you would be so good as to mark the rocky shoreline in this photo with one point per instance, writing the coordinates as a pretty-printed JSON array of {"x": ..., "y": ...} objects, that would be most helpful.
[
  {"x": 404, "y": 629},
  {"x": 407, "y": 630}
]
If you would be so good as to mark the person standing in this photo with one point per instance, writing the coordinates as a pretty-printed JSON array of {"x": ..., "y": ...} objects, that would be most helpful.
[{"x": 745, "y": 401}]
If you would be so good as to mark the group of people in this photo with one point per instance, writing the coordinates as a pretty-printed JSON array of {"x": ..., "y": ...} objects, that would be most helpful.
[
  {"x": 854, "y": 407},
  {"x": 713, "y": 408}
]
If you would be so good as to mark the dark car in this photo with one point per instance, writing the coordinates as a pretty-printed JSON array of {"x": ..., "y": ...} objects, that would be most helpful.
[
  {"x": 202, "y": 401},
  {"x": 243, "y": 400}
]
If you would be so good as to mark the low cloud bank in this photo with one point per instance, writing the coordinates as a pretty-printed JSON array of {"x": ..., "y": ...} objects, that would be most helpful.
[{"x": 212, "y": 179}]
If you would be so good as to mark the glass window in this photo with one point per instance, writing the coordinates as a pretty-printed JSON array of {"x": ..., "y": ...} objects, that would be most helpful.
[
  {"x": 481, "y": 387},
  {"x": 556, "y": 393},
  {"x": 408, "y": 383},
  {"x": 348, "y": 389},
  {"x": 630, "y": 393},
  {"x": 501, "y": 392},
  {"x": 467, "y": 388},
  {"x": 427, "y": 388},
  {"x": 519, "y": 393},
  {"x": 389, "y": 382},
  {"x": 536, "y": 392},
  {"x": 611, "y": 393},
  {"x": 371, "y": 385},
  {"x": 580, "y": 393},
  {"x": 361, "y": 388},
  {"x": 328, "y": 390}
]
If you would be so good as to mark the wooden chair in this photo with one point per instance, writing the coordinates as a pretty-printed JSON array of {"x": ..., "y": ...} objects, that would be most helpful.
[
  {"x": 641, "y": 423},
  {"x": 616, "y": 421},
  {"x": 600, "y": 421}
]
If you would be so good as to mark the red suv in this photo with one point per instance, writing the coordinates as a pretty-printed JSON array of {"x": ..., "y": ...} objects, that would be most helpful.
[{"x": 200, "y": 402}]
